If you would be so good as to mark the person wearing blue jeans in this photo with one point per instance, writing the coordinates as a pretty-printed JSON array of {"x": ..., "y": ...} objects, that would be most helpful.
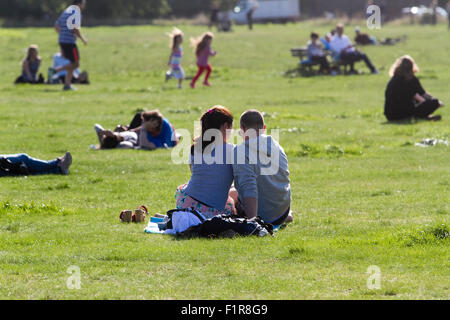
[{"x": 40, "y": 167}]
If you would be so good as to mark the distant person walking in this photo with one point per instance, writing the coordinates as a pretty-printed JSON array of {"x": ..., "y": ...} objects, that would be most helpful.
[
  {"x": 68, "y": 27},
  {"x": 448, "y": 14},
  {"x": 434, "y": 7},
  {"x": 176, "y": 70},
  {"x": 405, "y": 96},
  {"x": 30, "y": 67},
  {"x": 253, "y": 5},
  {"x": 203, "y": 51},
  {"x": 214, "y": 18}
]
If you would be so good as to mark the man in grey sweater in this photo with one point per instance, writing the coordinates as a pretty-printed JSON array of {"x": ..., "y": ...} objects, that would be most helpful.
[{"x": 261, "y": 173}]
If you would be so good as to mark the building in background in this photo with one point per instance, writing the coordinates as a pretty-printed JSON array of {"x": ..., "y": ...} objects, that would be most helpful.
[{"x": 267, "y": 10}]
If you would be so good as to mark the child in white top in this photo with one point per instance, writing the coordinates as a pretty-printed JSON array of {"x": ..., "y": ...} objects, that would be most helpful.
[{"x": 176, "y": 55}]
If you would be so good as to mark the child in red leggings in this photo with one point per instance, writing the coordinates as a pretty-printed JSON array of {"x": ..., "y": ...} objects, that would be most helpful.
[{"x": 203, "y": 52}]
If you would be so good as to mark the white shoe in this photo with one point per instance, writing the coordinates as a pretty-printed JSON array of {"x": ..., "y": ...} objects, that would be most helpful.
[
  {"x": 168, "y": 75},
  {"x": 99, "y": 129}
]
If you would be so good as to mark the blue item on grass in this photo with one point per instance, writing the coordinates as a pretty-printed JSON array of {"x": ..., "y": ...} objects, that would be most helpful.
[{"x": 156, "y": 220}]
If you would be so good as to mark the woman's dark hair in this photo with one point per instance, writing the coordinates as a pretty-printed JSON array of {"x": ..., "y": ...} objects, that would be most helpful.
[
  {"x": 77, "y": 1},
  {"x": 153, "y": 115},
  {"x": 214, "y": 118},
  {"x": 110, "y": 142}
]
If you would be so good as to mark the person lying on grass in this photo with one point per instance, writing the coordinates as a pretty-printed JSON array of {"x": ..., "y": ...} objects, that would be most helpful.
[
  {"x": 405, "y": 96},
  {"x": 148, "y": 130},
  {"x": 261, "y": 173},
  {"x": 112, "y": 140},
  {"x": 23, "y": 164},
  {"x": 363, "y": 38},
  {"x": 208, "y": 190},
  {"x": 154, "y": 130}
]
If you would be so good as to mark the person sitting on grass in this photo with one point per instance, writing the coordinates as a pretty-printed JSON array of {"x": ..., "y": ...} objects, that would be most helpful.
[
  {"x": 261, "y": 173},
  {"x": 23, "y": 164},
  {"x": 316, "y": 54},
  {"x": 209, "y": 189},
  {"x": 154, "y": 130},
  {"x": 364, "y": 39},
  {"x": 112, "y": 140},
  {"x": 60, "y": 77},
  {"x": 30, "y": 67},
  {"x": 405, "y": 96},
  {"x": 344, "y": 51}
]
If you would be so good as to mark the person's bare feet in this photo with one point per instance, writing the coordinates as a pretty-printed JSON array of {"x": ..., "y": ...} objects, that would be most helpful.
[{"x": 289, "y": 219}]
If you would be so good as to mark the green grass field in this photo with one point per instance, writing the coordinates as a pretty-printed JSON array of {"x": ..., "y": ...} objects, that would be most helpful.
[{"x": 363, "y": 194}]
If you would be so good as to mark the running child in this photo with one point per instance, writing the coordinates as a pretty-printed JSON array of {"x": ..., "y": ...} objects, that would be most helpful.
[
  {"x": 68, "y": 27},
  {"x": 176, "y": 55},
  {"x": 203, "y": 52}
]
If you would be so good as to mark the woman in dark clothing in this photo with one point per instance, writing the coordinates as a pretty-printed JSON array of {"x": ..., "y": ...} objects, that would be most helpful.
[{"x": 405, "y": 96}]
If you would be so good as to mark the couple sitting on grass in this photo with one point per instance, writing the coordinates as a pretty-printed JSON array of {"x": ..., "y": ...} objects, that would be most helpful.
[
  {"x": 260, "y": 188},
  {"x": 148, "y": 130}
]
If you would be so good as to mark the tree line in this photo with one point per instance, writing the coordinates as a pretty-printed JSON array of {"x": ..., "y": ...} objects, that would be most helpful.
[{"x": 110, "y": 9}]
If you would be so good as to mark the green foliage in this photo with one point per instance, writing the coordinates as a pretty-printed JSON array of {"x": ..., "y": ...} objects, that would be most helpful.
[
  {"x": 32, "y": 208},
  {"x": 111, "y": 9},
  {"x": 437, "y": 234},
  {"x": 97, "y": 9}
]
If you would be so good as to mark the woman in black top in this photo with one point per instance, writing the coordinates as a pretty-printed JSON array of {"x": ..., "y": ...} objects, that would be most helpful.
[{"x": 405, "y": 96}]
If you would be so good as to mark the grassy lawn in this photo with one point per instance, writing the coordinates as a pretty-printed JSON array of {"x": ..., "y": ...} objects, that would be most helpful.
[{"x": 363, "y": 194}]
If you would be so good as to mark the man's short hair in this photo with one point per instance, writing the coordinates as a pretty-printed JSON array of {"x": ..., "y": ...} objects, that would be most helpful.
[
  {"x": 314, "y": 35},
  {"x": 340, "y": 26},
  {"x": 78, "y": 1},
  {"x": 252, "y": 119}
]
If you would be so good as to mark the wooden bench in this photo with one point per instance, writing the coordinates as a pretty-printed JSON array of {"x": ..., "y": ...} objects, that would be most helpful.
[{"x": 307, "y": 66}]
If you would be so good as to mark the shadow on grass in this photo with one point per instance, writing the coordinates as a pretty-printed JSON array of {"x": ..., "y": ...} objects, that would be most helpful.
[
  {"x": 405, "y": 122},
  {"x": 409, "y": 121}
]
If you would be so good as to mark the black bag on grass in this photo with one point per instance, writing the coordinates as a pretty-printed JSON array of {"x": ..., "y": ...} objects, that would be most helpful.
[
  {"x": 226, "y": 226},
  {"x": 9, "y": 169}
]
